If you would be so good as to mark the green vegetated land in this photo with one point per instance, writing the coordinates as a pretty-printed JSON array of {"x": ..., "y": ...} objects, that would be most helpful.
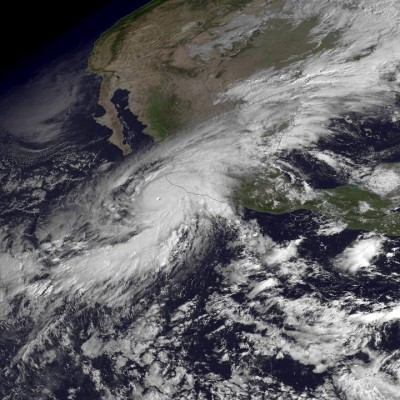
[
  {"x": 357, "y": 207},
  {"x": 162, "y": 113}
]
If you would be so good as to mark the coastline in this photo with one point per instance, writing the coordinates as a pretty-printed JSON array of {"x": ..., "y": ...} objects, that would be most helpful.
[{"x": 121, "y": 25}]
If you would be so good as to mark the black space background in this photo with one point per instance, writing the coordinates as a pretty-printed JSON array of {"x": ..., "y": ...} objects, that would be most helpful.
[{"x": 27, "y": 27}]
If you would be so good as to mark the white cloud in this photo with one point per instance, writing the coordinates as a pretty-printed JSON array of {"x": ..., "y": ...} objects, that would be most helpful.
[
  {"x": 281, "y": 254},
  {"x": 360, "y": 254},
  {"x": 263, "y": 285}
]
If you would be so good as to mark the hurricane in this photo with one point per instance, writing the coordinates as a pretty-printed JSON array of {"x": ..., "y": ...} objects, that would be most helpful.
[{"x": 252, "y": 254}]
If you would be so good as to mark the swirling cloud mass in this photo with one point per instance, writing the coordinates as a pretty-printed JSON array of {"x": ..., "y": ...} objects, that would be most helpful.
[{"x": 254, "y": 254}]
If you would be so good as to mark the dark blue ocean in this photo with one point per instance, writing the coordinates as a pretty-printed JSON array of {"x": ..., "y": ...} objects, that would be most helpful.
[
  {"x": 79, "y": 39},
  {"x": 49, "y": 133}
]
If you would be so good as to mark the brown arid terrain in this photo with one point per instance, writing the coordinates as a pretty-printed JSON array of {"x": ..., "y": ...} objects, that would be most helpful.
[{"x": 175, "y": 56}]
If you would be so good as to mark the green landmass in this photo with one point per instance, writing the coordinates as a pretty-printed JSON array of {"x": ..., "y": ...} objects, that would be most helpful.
[
  {"x": 358, "y": 208},
  {"x": 162, "y": 113}
]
